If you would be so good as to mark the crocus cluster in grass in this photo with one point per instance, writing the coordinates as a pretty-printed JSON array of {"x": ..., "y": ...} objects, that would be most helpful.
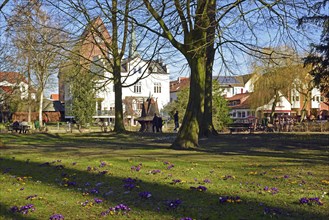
[
  {"x": 145, "y": 195},
  {"x": 118, "y": 209},
  {"x": 310, "y": 201},
  {"x": 199, "y": 188},
  {"x": 23, "y": 209},
  {"x": 95, "y": 194},
  {"x": 230, "y": 199},
  {"x": 56, "y": 217},
  {"x": 173, "y": 204}
]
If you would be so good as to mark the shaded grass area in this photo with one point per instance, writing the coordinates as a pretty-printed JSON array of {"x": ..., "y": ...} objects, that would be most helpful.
[{"x": 296, "y": 165}]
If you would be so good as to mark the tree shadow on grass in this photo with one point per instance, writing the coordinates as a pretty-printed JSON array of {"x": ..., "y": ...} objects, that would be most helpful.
[
  {"x": 195, "y": 204},
  {"x": 306, "y": 148}
]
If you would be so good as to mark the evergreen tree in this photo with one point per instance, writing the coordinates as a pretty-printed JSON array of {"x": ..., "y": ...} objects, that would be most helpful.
[
  {"x": 319, "y": 57},
  {"x": 82, "y": 89}
]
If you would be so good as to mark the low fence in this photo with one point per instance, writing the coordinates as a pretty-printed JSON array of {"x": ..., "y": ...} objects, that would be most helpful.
[{"x": 311, "y": 126}]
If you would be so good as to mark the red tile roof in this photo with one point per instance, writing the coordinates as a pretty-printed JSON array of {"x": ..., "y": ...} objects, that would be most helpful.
[
  {"x": 7, "y": 89},
  {"x": 12, "y": 77},
  {"x": 179, "y": 84},
  {"x": 239, "y": 96},
  {"x": 54, "y": 97},
  {"x": 243, "y": 98}
]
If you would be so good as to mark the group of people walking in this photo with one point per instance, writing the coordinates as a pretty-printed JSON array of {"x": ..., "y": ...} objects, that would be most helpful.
[{"x": 157, "y": 123}]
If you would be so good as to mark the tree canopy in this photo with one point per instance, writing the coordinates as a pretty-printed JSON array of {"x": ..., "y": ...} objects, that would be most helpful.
[{"x": 319, "y": 57}]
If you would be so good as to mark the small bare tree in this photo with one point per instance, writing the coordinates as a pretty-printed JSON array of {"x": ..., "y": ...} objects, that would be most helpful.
[{"x": 34, "y": 35}]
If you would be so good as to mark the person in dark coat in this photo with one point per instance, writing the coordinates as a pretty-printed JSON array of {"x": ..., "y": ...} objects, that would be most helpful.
[
  {"x": 155, "y": 126},
  {"x": 160, "y": 123},
  {"x": 176, "y": 121}
]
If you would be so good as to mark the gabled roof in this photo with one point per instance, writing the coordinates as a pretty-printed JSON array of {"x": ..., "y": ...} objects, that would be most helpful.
[
  {"x": 7, "y": 89},
  {"x": 228, "y": 80},
  {"x": 240, "y": 80},
  {"x": 239, "y": 96},
  {"x": 52, "y": 106},
  {"x": 12, "y": 77},
  {"x": 243, "y": 98},
  {"x": 179, "y": 84},
  {"x": 154, "y": 66}
]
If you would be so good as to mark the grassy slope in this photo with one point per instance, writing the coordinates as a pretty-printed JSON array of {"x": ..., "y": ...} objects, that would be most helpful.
[{"x": 232, "y": 165}]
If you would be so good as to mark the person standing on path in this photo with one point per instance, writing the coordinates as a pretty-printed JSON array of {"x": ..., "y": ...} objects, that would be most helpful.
[{"x": 176, "y": 121}]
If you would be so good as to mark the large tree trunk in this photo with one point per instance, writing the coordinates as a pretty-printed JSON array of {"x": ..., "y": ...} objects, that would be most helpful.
[
  {"x": 306, "y": 100},
  {"x": 188, "y": 135},
  {"x": 207, "y": 127},
  {"x": 275, "y": 101},
  {"x": 118, "y": 125}
]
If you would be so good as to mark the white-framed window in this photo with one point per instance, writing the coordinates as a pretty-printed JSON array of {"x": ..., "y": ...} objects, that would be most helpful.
[
  {"x": 318, "y": 99},
  {"x": 138, "y": 87},
  {"x": 157, "y": 87}
]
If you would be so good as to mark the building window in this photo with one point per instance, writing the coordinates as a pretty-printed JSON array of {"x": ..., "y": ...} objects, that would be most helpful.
[
  {"x": 138, "y": 87},
  {"x": 297, "y": 98},
  {"x": 322, "y": 99},
  {"x": 99, "y": 105},
  {"x": 157, "y": 87},
  {"x": 318, "y": 99}
]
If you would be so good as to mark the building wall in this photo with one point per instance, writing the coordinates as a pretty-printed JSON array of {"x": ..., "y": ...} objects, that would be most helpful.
[{"x": 107, "y": 96}]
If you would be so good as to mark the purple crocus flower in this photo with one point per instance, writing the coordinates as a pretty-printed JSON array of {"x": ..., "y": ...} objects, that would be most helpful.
[
  {"x": 56, "y": 217},
  {"x": 173, "y": 204},
  {"x": 31, "y": 197},
  {"x": 94, "y": 191},
  {"x": 174, "y": 181},
  {"x": 26, "y": 208},
  {"x": 155, "y": 171},
  {"x": 201, "y": 188},
  {"x": 14, "y": 209},
  {"x": 145, "y": 195},
  {"x": 103, "y": 164},
  {"x": 206, "y": 181},
  {"x": 303, "y": 200},
  {"x": 98, "y": 200}
]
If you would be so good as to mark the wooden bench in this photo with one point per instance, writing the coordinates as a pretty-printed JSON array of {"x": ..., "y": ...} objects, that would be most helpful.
[
  {"x": 237, "y": 127},
  {"x": 11, "y": 128},
  {"x": 20, "y": 129}
]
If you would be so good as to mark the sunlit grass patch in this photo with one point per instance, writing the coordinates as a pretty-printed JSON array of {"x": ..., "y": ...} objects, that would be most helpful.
[{"x": 135, "y": 177}]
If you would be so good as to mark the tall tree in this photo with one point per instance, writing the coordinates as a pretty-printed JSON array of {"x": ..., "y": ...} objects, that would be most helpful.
[
  {"x": 275, "y": 78},
  {"x": 83, "y": 93},
  {"x": 303, "y": 83},
  {"x": 319, "y": 57},
  {"x": 35, "y": 35},
  {"x": 195, "y": 27},
  {"x": 115, "y": 15}
]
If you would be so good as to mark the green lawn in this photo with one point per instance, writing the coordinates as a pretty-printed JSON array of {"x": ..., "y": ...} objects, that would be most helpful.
[{"x": 243, "y": 176}]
